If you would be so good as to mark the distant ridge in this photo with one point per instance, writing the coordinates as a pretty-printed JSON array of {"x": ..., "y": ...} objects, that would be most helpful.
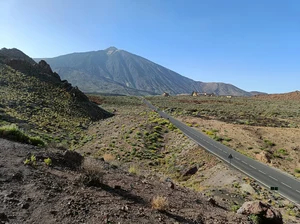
[
  {"x": 281, "y": 96},
  {"x": 120, "y": 72}
]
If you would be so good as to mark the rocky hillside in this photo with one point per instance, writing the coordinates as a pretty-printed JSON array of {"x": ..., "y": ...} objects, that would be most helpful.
[
  {"x": 282, "y": 96},
  {"x": 74, "y": 189},
  {"x": 34, "y": 96},
  {"x": 118, "y": 71}
]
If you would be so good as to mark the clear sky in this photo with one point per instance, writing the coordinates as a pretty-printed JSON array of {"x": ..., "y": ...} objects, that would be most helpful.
[{"x": 253, "y": 44}]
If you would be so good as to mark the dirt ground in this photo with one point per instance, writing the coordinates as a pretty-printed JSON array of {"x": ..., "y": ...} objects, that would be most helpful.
[
  {"x": 78, "y": 190},
  {"x": 251, "y": 141},
  {"x": 213, "y": 178}
]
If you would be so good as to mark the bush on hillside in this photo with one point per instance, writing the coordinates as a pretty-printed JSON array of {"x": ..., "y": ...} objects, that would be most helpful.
[{"x": 12, "y": 132}]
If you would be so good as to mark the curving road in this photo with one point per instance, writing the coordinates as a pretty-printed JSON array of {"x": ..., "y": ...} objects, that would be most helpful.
[{"x": 288, "y": 186}]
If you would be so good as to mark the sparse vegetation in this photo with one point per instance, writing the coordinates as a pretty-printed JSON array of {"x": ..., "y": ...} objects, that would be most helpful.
[
  {"x": 234, "y": 208},
  {"x": 48, "y": 161},
  {"x": 30, "y": 161},
  {"x": 255, "y": 219},
  {"x": 46, "y": 110},
  {"x": 12, "y": 132},
  {"x": 92, "y": 176},
  {"x": 160, "y": 203},
  {"x": 297, "y": 170},
  {"x": 133, "y": 169}
]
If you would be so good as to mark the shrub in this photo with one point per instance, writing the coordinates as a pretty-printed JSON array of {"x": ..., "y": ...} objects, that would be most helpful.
[
  {"x": 269, "y": 143},
  {"x": 283, "y": 152},
  {"x": 93, "y": 175},
  {"x": 92, "y": 178},
  {"x": 31, "y": 161},
  {"x": 108, "y": 157},
  {"x": 133, "y": 169},
  {"x": 12, "y": 132},
  {"x": 37, "y": 141},
  {"x": 297, "y": 170},
  {"x": 160, "y": 203},
  {"x": 234, "y": 208},
  {"x": 236, "y": 185},
  {"x": 211, "y": 133},
  {"x": 255, "y": 219},
  {"x": 48, "y": 161}
]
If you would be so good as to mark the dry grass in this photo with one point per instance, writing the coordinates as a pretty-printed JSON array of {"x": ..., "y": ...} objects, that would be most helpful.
[
  {"x": 93, "y": 175},
  {"x": 160, "y": 203},
  {"x": 108, "y": 157},
  {"x": 133, "y": 169}
]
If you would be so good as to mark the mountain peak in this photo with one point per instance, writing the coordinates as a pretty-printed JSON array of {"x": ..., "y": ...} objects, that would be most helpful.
[
  {"x": 111, "y": 50},
  {"x": 14, "y": 54}
]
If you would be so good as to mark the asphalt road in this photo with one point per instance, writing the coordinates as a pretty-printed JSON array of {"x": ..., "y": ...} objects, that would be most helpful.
[{"x": 288, "y": 186}]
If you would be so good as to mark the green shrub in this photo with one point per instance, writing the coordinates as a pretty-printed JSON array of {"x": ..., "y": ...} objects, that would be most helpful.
[
  {"x": 12, "y": 132},
  {"x": 48, "y": 161},
  {"x": 133, "y": 170},
  {"x": 31, "y": 161},
  {"x": 255, "y": 219},
  {"x": 234, "y": 208},
  {"x": 269, "y": 143},
  {"x": 37, "y": 141},
  {"x": 209, "y": 133},
  {"x": 283, "y": 152}
]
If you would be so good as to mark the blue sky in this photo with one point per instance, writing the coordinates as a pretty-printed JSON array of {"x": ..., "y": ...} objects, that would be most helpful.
[{"x": 253, "y": 44}]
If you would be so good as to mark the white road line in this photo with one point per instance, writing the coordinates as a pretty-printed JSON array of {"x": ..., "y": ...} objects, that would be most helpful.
[
  {"x": 244, "y": 162},
  {"x": 262, "y": 172},
  {"x": 237, "y": 158},
  {"x": 252, "y": 167},
  {"x": 298, "y": 191},
  {"x": 225, "y": 152},
  {"x": 273, "y": 178},
  {"x": 286, "y": 185}
]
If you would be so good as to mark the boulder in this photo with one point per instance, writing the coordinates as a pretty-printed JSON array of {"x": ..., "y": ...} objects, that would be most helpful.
[
  {"x": 190, "y": 171},
  {"x": 73, "y": 159},
  {"x": 263, "y": 157},
  {"x": 247, "y": 188},
  {"x": 262, "y": 210}
]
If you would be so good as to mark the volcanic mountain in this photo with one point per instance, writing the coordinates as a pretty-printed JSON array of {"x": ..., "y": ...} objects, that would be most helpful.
[{"x": 120, "y": 72}]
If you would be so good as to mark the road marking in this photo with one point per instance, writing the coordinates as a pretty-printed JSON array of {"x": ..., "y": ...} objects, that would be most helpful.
[
  {"x": 252, "y": 167},
  {"x": 237, "y": 158},
  {"x": 262, "y": 172},
  {"x": 298, "y": 191},
  {"x": 286, "y": 185},
  {"x": 244, "y": 162},
  {"x": 273, "y": 178}
]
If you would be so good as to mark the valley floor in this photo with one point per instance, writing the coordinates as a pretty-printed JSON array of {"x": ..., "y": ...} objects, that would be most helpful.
[{"x": 124, "y": 140}]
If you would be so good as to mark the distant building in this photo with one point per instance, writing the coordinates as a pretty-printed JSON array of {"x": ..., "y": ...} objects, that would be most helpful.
[{"x": 194, "y": 93}]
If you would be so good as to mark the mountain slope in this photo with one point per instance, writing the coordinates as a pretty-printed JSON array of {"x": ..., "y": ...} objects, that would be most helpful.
[
  {"x": 35, "y": 98},
  {"x": 114, "y": 71}
]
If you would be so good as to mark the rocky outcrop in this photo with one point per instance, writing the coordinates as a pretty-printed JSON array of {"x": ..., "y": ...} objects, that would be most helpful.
[
  {"x": 190, "y": 171},
  {"x": 79, "y": 102},
  {"x": 264, "y": 157},
  {"x": 14, "y": 54},
  {"x": 263, "y": 211},
  {"x": 247, "y": 188}
]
